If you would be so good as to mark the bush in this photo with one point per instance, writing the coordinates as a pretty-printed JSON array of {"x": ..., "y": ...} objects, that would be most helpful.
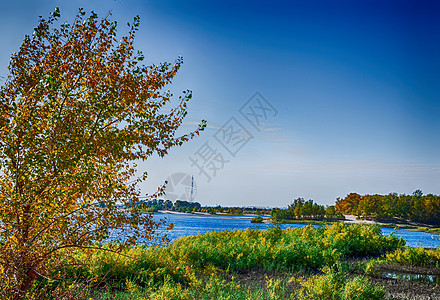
[
  {"x": 335, "y": 285},
  {"x": 415, "y": 256},
  {"x": 257, "y": 220},
  {"x": 181, "y": 265},
  {"x": 359, "y": 288},
  {"x": 360, "y": 239}
]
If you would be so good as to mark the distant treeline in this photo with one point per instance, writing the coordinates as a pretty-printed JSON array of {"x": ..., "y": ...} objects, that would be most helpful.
[
  {"x": 305, "y": 210},
  {"x": 393, "y": 207},
  {"x": 160, "y": 204},
  {"x": 416, "y": 207},
  {"x": 186, "y": 206}
]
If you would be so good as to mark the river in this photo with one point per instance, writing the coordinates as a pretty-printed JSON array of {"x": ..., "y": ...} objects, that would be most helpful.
[{"x": 189, "y": 224}]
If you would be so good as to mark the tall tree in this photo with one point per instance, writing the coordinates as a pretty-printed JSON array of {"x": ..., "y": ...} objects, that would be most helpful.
[
  {"x": 349, "y": 204},
  {"x": 76, "y": 110}
]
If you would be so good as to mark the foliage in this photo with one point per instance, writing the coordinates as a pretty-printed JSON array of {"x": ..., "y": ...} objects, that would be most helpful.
[
  {"x": 159, "y": 204},
  {"x": 212, "y": 287},
  {"x": 77, "y": 108},
  {"x": 155, "y": 205},
  {"x": 415, "y": 256},
  {"x": 216, "y": 287},
  {"x": 273, "y": 249},
  {"x": 300, "y": 209},
  {"x": 349, "y": 204},
  {"x": 335, "y": 285},
  {"x": 416, "y": 207},
  {"x": 257, "y": 220},
  {"x": 203, "y": 267},
  {"x": 184, "y": 206},
  {"x": 360, "y": 240},
  {"x": 289, "y": 249}
]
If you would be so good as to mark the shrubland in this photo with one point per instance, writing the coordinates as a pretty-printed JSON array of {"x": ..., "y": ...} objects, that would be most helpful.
[{"x": 295, "y": 263}]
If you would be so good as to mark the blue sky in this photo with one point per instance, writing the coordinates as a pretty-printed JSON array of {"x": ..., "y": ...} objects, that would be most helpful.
[{"x": 353, "y": 87}]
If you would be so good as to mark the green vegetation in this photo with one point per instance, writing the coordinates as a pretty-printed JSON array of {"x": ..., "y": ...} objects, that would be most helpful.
[
  {"x": 257, "y": 220},
  {"x": 388, "y": 209},
  {"x": 78, "y": 110},
  {"x": 415, "y": 256},
  {"x": 410, "y": 263},
  {"x": 160, "y": 204},
  {"x": 208, "y": 266},
  {"x": 392, "y": 207},
  {"x": 335, "y": 284},
  {"x": 305, "y": 210},
  {"x": 190, "y": 207},
  {"x": 301, "y": 221}
]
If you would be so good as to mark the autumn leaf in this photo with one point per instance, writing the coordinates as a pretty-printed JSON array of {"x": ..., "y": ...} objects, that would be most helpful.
[{"x": 75, "y": 111}]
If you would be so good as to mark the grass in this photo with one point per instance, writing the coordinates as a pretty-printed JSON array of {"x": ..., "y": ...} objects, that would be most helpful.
[
  {"x": 207, "y": 266},
  {"x": 415, "y": 256}
]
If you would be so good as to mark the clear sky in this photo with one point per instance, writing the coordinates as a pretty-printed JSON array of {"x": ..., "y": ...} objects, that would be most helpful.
[{"x": 348, "y": 93}]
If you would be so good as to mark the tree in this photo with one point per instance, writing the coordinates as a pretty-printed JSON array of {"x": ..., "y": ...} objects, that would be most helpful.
[
  {"x": 369, "y": 205},
  {"x": 296, "y": 207},
  {"x": 330, "y": 212},
  {"x": 76, "y": 112},
  {"x": 348, "y": 205}
]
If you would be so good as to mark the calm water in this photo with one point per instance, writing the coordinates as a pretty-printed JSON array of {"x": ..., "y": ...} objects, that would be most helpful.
[
  {"x": 186, "y": 225},
  {"x": 414, "y": 277}
]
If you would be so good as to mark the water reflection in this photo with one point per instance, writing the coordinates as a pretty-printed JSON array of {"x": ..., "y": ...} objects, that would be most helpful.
[{"x": 413, "y": 277}]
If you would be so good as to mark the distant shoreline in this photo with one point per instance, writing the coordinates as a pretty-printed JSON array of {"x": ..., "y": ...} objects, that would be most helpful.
[
  {"x": 353, "y": 220},
  {"x": 208, "y": 215},
  {"x": 348, "y": 219}
]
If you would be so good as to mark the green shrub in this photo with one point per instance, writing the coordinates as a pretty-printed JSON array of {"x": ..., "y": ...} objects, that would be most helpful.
[
  {"x": 359, "y": 288},
  {"x": 360, "y": 239},
  {"x": 257, "y": 220},
  {"x": 179, "y": 265},
  {"x": 288, "y": 249},
  {"x": 415, "y": 256},
  {"x": 334, "y": 285}
]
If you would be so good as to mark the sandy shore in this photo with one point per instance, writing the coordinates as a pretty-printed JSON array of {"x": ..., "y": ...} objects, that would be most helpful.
[
  {"x": 348, "y": 218},
  {"x": 352, "y": 219}
]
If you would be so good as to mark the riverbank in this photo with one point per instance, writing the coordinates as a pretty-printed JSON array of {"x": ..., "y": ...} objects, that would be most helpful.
[
  {"x": 216, "y": 215},
  {"x": 414, "y": 226},
  {"x": 354, "y": 220}
]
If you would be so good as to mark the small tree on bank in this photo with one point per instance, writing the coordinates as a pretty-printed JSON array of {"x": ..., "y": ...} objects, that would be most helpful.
[{"x": 76, "y": 110}]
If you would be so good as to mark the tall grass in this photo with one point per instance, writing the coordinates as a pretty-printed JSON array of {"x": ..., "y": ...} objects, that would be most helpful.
[
  {"x": 289, "y": 249},
  {"x": 186, "y": 266},
  {"x": 335, "y": 285},
  {"x": 415, "y": 256}
]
